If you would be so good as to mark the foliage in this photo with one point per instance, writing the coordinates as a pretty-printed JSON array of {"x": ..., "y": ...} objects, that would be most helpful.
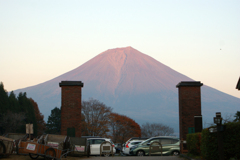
[
  {"x": 96, "y": 118},
  {"x": 156, "y": 129},
  {"x": 209, "y": 146},
  {"x": 122, "y": 128},
  {"x": 12, "y": 122},
  {"x": 194, "y": 143},
  {"x": 41, "y": 124},
  {"x": 3, "y": 99},
  {"x": 13, "y": 102},
  {"x": 54, "y": 122},
  {"x": 16, "y": 110},
  {"x": 237, "y": 116},
  {"x": 231, "y": 142},
  {"x": 26, "y": 106}
]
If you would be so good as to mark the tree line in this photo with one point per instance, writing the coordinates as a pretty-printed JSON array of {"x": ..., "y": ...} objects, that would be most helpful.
[
  {"x": 16, "y": 112},
  {"x": 97, "y": 119}
]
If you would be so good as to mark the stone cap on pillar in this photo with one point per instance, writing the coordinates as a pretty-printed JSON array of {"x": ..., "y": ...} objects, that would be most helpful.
[
  {"x": 189, "y": 84},
  {"x": 71, "y": 83}
]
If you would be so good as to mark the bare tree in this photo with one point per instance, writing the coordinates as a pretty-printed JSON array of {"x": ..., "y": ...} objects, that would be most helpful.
[
  {"x": 96, "y": 118},
  {"x": 11, "y": 122},
  {"x": 228, "y": 118},
  {"x": 156, "y": 129}
]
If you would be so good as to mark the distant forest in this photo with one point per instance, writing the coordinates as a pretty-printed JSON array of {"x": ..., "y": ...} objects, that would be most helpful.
[{"x": 16, "y": 112}]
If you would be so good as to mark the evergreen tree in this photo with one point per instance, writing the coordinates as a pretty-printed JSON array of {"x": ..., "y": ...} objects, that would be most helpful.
[
  {"x": 12, "y": 122},
  {"x": 54, "y": 122},
  {"x": 237, "y": 116},
  {"x": 15, "y": 113},
  {"x": 13, "y": 103},
  {"x": 27, "y": 107},
  {"x": 3, "y": 99},
  {"x": 3, "y": 105}
]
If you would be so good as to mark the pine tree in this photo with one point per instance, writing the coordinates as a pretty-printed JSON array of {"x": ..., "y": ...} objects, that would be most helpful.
[
  {"x": 237, "y": 116},
  {"x": 13, "y": 103},
  {"x": 15, "y": 113},
  {"x": 3, "y": 99},
  {"x": 54, "y": 122},
  {"x": 27, "y": 107}
]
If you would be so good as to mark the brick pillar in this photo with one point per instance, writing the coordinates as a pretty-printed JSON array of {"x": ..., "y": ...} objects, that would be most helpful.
[
  {"x": 71, "y": 108},
  {"x": 189, "y": 106}
]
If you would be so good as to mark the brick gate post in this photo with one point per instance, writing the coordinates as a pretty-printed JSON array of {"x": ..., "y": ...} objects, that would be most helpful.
[{"x": 71, "y": 108}]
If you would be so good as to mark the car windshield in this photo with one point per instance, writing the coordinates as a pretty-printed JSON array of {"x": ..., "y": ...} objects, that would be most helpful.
[
  {"x": 146, "y": 141},
  {"x": 134, "y": 143},
  {"x": 150, "y": 141}
]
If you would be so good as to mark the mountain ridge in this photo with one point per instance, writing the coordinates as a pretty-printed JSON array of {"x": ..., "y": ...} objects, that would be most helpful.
[{"x": 132, "y": 83}]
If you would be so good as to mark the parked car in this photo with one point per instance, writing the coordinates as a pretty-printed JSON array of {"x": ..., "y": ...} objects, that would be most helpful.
[
  {"x": 131, "y": 144},
  {"x": 118, "y": 147},
  {"x": 125, "y": 146},
  {"x": 170, "y": 146},
  {"x": 95, "y": 144}
]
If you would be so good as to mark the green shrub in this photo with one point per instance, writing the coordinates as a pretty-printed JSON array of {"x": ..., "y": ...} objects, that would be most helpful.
[
  {"x": 231, "y": 142},
  {"x": 193, "y": 143},
  {"x": 209, "y": 146}
]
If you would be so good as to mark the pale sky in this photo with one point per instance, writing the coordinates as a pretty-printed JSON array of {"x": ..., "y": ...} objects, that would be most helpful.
[{"x": 42, "y": 39}]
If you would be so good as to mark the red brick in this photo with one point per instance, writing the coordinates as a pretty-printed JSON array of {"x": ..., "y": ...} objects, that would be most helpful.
[
  {"x": 189, "y": 105},
  {"x": 71, "y": 106}
]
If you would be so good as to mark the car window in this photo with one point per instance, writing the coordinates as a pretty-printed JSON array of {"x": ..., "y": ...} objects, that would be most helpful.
[
  {"x": 143, "y": 142},
  {"x": 166, "y": 141},
  {"x": 91, "y": 141},
  {"x": 150, "y": 141},
  {"x": 98, "y": 141},
  {"x": 174, "y": 141},
  {"x": 134, "y": 143},
  {"x": 154, "y": 140}
]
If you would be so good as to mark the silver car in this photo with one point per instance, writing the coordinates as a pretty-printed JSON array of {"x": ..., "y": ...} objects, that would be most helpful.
[
  {"x": 95, "y": 144},
  {"x": 170, "y": 146}
]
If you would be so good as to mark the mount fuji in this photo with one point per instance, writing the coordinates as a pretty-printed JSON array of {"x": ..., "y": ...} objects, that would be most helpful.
[{"x": 133, "y": 84}]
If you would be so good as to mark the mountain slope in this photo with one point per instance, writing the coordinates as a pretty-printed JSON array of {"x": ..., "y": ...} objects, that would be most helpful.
[{"x": 133, "y": 84}]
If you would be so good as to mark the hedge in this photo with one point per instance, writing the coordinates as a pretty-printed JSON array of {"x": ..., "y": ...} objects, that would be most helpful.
[
  {"x": 193, "y": 143},
  {"x": 208, "y": 143},
  {"x": 231, "y": 140}
]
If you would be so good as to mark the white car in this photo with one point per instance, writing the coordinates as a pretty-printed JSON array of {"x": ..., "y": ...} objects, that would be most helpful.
[
  {"x": 95, "y": 145},
  {"x": 129, "y": 144}
]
